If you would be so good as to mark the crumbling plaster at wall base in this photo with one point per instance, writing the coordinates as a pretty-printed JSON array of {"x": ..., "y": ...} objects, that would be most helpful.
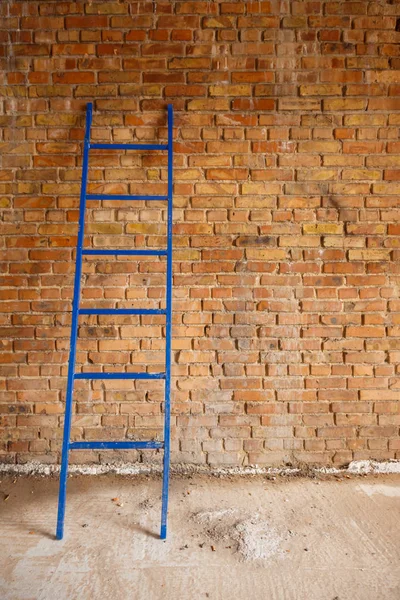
[{"x": 361, "y": 467}]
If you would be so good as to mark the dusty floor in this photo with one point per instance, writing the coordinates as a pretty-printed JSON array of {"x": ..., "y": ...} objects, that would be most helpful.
[{"x": 288, "y": 538}]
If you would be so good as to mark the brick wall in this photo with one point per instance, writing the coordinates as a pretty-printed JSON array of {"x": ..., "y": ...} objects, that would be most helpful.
[{"x": 287, "y": 180}]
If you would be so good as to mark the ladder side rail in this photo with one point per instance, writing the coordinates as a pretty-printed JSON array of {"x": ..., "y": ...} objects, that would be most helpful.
[
  {"x": 168, "y": 333},
  {"x": 74, "y": 330}
]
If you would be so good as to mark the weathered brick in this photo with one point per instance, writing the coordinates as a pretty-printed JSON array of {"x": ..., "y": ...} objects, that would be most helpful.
[
  {"x": 323, "y": 228},
  {"x": 320, "y": 90},
  {"x": 339, "y": 104},
  {"x": 320, "y": 147},
  {"x": 287, "y": 171},
  {"x": 362, "y": 148}
]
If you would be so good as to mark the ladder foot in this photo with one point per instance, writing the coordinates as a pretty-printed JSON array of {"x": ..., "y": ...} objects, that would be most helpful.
[
  {"x": 59, "y": 533},
  {"x": 163, "y": 533}
]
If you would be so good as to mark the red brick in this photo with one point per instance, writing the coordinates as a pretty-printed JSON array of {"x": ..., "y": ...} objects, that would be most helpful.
[
  {"x": 73, "y": 49},
  {"x": 40, "y": 23},
  {"x": 87, "y": 22},
  {"x": 73, "y": 77}
]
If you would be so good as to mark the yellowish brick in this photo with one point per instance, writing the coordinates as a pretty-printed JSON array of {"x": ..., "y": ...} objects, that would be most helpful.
[
  {"x": 320, "y": 147},
  {"x": 370, "y": 254},
  {"x": 344, "y": 104},
  {"x": 106, "y": 228},
  {"x": 320, "y": 90},
  {"x": 47, "y": 91},
  {"x": 266, "y": 254},
  {"x": 301, "y": 241},
  {"x": 323, "y": 228},
  {"x": 261, "y": 188},
  {"x": 208, "y": 104},
  {"x": 146, "y": 228},
  {"x": 58, "y": 119},
  {"x": 317, "y": 174},
  {"x": 216, "y": 189},
  {"x": 89, "y": 91},
  {"x": 296, "y": 104},
  {"x": 384, "y": 76},
  {"x": 49, "y": 408},
  {"x": 386, "y": 188},
  {"x": 6, "y": 188},
  {"x": 342, "y": 160},
  {"x": 130, "y": 89},
  {"x": 361, "y": 174},
  {"x": 230, "y": 90},
  {"x": 189, "y": 62},
  {"x": 218, "y": 22},
  {"x": 369, "y": 120},
  {"x": 61, "y": 189},
  {"x": 350, "y": 188},
  {"x": 187, "y": 174}
]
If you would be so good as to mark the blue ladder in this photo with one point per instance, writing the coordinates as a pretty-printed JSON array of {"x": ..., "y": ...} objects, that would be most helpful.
[{"x": 76, "y": 311}]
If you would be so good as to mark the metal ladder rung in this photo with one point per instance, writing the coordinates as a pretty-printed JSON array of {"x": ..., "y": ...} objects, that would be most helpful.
[
  {"x": 121, "y": 375},
  {"x": 128, "y": 146},
  {"x": 125, "y": 252},
  {"x": 114, "y": 445},
  {"x": 123, "y": 197},
  {"x": 122, "y": 311}
]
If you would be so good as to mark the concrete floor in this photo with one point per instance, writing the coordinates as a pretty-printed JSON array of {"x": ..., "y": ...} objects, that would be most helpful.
[{"x": 288, "y": 538}]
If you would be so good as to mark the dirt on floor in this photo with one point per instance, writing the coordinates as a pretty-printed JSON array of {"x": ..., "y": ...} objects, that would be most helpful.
[{"x": 270, "y": 538}]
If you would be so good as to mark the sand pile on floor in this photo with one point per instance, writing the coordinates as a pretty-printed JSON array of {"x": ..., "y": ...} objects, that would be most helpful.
[{"x": 254, "y": 539}]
